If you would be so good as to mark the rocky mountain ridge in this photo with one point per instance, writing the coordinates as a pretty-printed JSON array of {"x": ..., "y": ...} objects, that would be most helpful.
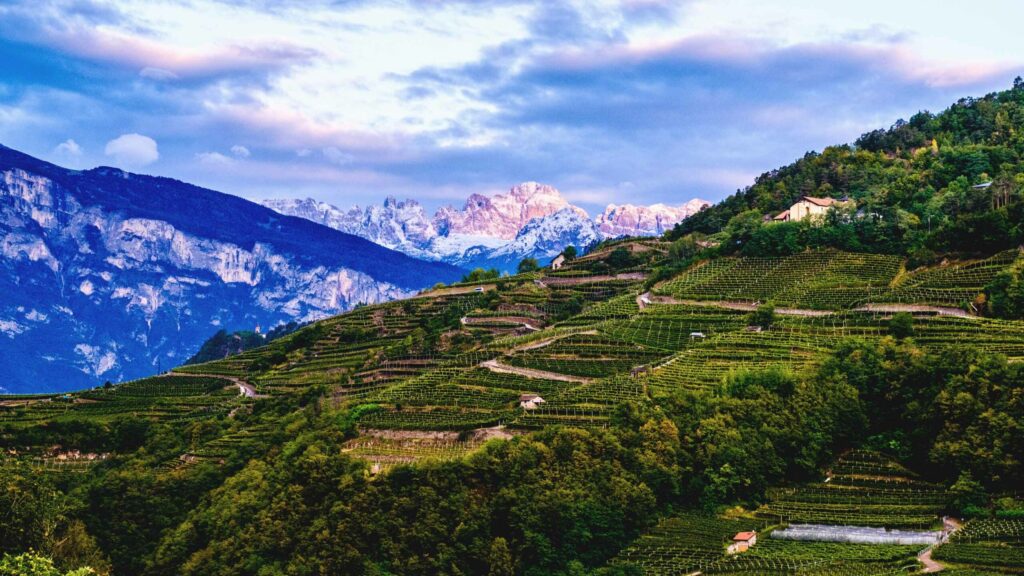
[
  {"x": 106, "y": 275},
  {"x": 531, "y": 220}
]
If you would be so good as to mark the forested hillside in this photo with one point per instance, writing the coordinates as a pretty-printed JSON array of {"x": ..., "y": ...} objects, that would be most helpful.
[
  {"x": 408, "y": 437},
  {"x": 914, "y": 185}
]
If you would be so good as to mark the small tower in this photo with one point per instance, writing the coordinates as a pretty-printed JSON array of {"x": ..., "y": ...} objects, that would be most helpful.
[{"x": 257, "y": 330}]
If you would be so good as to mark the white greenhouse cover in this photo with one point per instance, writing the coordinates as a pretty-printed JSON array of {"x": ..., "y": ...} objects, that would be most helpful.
[{"x": 855, "y": 534}]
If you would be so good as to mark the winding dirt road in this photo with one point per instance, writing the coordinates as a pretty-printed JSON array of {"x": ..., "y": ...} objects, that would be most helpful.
[
  {"x": 244, "y": 388},
  {"x": 495, "y": 366},
  {"x": 949, "y": 525},
  {"x": 647, "y": 298}
]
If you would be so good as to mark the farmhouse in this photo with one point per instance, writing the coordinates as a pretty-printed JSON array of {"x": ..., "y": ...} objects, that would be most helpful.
[
  {"x": 530, "y": 401},
  {"x": 807, "y": 207},
  {"x": 557, "y": 262},
  {"x": 742, "y": 542}
]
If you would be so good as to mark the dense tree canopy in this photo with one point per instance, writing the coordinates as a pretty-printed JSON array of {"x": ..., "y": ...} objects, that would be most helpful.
[{"x": 915, "y": 186}]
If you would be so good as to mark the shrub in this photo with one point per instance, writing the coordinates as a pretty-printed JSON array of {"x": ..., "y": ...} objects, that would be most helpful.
[
  {"x": 902, "y": 325},
  {"x": 764, "y": 316},
  {"x": 528, "y": 265}
]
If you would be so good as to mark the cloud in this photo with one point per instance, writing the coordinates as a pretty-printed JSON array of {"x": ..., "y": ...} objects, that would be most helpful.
[
  {"x": 336, "y": 156},
  {"x": 214, "y": 159},
  {"x": 99, "y": 35},
  {"x": 158, "y": 74},
  {"x": 477, "y": 94},
  {"x": 133, "y": 150},
  {"x": 68, "y": 148}
]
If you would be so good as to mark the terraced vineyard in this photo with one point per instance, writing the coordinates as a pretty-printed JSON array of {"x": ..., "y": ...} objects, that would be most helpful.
[
  {"x": 691, "y": 542},
  {"x": 996, "y": 544},
  {"x": 772, "y": 557},
  {"x": 820, "y": 279},
  {"x": 682, "y": 544},
  {"x": 949, "y": 285},
  {"x": 863, "y": 489},
  {"x": 171, "y": 398},
  {"x": 582, "y": 341},
  {"x": 831, "y": 280},
  {"x": 437, "y": 376}
]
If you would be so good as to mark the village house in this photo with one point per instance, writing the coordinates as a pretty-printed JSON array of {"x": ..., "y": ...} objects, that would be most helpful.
[
  {"x": 808, "y": 206},
  {"x": 557, "y": 262},
  {"x": 530, "y": 401},
  {"x": 742, "y": 542}
]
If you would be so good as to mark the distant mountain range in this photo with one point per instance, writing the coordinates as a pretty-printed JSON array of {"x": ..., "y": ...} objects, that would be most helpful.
[
  {"x": 107, "y": 275},
  {"x": 531, "y": 220}
]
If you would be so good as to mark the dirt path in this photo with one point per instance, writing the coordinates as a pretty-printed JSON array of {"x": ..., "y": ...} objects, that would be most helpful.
[
  {"x": 750, "y": 307},
  {"x": 949, "y": 526},
  {"x": 524, "y": 321},
  {"x": 244, "y": 388},
  {"x": 929, "y": 565},
  {"x": 495, "y": 366},
  {"x": 731, "y": 305},
  {"x": 456, "y": 290},
  {"x": 548, "y": 341},
  {"x": 893, "y": 308},
  {"x": 574, "y": 280},
  {"x": 643, "y": 300}
]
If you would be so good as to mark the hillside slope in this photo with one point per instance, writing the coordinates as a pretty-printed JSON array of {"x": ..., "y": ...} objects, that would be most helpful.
[
  {"x": 935, "y": 184},
  {"x": 617, "y": 402}
]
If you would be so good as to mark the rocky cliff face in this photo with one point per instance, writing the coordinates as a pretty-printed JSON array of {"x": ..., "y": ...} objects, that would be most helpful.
[
  {"x": 106, "y": 275},
  {"x": 402, "y": 226},
  {"x": 631, "y": 220}
]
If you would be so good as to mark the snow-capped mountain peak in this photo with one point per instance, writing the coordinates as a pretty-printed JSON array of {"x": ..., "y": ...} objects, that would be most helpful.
[
  {"x": 530, "y": 220},
  {"x": 503, "y": 215},
  {"x": 546, "y": 237}
]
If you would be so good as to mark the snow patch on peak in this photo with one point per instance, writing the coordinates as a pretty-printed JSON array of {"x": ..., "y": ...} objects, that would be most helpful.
[
  {"x": 10, "y": 328},
  {"x": 656, "y": 219},
  {"x": 546, "y": 237},
  {"x": 503, "y": 215},
  {"x": 94, "y": 360},
  {"x": 530, "y": 220},
  {"x": 399, "y": 225}
]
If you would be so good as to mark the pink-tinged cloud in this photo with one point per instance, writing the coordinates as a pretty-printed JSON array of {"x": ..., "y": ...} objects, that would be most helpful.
[
  {"x": 285, "y": 129},
  {"x": 156, "y": 60},
  {"x": 890, "y": 58}
]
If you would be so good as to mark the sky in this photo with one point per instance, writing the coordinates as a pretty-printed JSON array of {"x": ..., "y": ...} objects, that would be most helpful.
[{"x": 611, "y": 101}]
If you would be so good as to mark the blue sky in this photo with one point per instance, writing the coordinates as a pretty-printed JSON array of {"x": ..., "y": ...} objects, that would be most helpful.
[{"x": 348, "y": 101}]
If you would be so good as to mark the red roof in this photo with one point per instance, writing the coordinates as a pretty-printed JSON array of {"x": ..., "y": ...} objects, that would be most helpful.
[
  {"x": 821, "y": 201},
  {"x": 744, "y": 536},
  {"x": 784, "y": 215}
]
